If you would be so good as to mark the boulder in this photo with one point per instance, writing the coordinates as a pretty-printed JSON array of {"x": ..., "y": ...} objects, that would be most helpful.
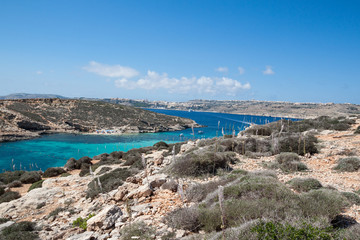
[
  {"x": 105, "y": 219},
  {"x": 142, "y": 191},
  {"x": 84, "y": 236}
]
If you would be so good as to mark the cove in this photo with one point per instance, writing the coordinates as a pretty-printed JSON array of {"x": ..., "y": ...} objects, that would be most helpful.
[{"x": 55, "y": 149}]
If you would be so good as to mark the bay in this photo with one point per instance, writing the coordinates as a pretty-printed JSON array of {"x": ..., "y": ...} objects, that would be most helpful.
[{"x": 55, "y": 149}]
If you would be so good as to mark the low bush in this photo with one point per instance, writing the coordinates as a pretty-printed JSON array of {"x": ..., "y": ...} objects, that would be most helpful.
[
  {"x": 37, "y": 184},
  {"x": 170, "y": 185},
  {"x": 199, "y": 163},
  {"x": 53, "y": 172},
  {"x": 138, "y": 230},
  {"x": 184, "y": 218},
  {"x": 352, "y": 197},
  {"x": 84, "y": 169},
  {"x": 8, "y": 177},
  {"x": 357, "y": 131},
  {"x": 2, "y": 190},
  {"x": 4, "y": 220},
  {"x": 30, "y": 177},
  {"x": 82, "y": 222},
  {"x": 288, "y": 162},
  {"x": 304, "y": 184},
  {"x": 15, "y": 184},
  {"x": 350, "y": 164},
  {"x": 108, "y": 182},
  {"x": 81, "y": 161},
  {"x": 322, "y": 202},
  {"x": 19, "y": 231},
  {"x": 198, "y": 192},
  {"x": 9, "y": 196},
  {"x": 296, "y": 143},
  {"x": 275, "y": 230},
  {"x": 104, "y": 170},
  {"x": 161, "y": 145},
  {"x": 55, "y": 212},
  {"x": 70, "y": 164},
  {"x": 262, "y": 130}
]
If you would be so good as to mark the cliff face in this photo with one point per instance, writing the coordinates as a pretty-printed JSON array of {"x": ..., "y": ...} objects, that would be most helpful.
[{"x": 27, "y": 118}]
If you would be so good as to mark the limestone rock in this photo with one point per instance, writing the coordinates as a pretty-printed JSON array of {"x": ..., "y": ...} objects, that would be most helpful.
[
  {"x": 84, "y": 236},
  {"x": 142, "y": 191},
  {"x": 105, "y": 219}
]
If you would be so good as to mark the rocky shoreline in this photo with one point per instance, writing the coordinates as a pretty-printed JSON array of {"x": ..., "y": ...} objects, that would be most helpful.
[{"x": 152, "y": 189}]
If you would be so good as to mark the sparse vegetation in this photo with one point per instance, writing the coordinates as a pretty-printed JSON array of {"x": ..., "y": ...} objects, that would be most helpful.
[
  {"x": 352, "y": 197},
  {"x": 357, "y": 131},
  {"x": 37, "y": 184},
  {"x": 350, "y": 164},
  {"x": 304, "y": 184},
  {"x": 30, "y": 177},
  {"x": 108, "y": 181},
  {"x": 288, "y": 162},
  {"x": 137, "y": 230},
  {"x": 19, "y": 231},
  {"x": 53, "y": 172},
  {"x": 55, "y": 212},
  {"x": 9, "y": 196},
  {"x": 82, "y": 222},
  {"x": 201, "y": 162}
]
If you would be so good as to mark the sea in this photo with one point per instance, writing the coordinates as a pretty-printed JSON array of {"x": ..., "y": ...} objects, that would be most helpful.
[{"x": 54, "y": 150}]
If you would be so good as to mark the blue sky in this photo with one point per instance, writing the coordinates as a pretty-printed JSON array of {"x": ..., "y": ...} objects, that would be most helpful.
[{"x": 299, "y": 51}]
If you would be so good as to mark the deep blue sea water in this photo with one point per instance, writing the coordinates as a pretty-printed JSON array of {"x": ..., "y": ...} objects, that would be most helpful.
[{"x": 54, "y": 150}]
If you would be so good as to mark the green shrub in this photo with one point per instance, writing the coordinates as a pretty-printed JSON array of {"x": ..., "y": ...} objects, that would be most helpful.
[
  {"x": 350, "y": 164},
  {"x": 262, "y": 130},
  {"x": 2, "y": 190},
  {"x": 274, "y": 230},
  {"x": 53, "y": 172},
  {"x": 322, "y": 202},
  {"x": 82, "y": 222},
  {"x": 56, "y": 211},
  {"x": 184, "y": 218},
  {"x": 304, "y": 184},
  {"x": 65, "y": 174},
  {"x": 297, "y": 143},
  {"x": 352, "y": 197},
  {"x": 8, "y": 177},
  {"x": 199, "y": 163},
  {"x": 104, "y": 170},
  {"x": 30, "y": 177},
  {"x": 85, "y": 169},
  {"x": 37, "y": 184},
  {"x": 161, "y": 145},
  {"x": 357, "y": 131},
  {"x": 19, "y": 231},
  {"x": 4, "y": 220},
  {"x": 108, "y": 181},
  {"x": 9, "y": 196},
  {"x": 288, "y": 162},
  {"x": 15, "y": 184},
  {"x": 137, "y": 230}
]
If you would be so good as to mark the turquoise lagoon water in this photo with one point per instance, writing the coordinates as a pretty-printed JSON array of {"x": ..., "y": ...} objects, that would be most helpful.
[{"x": 54, "y": 150}]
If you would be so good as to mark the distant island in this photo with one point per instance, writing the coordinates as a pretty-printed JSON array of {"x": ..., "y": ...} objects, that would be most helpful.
[{"x": 28, "y": 118}]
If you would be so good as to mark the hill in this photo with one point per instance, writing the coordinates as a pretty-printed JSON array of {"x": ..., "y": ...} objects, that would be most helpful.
[
  {"x": 261, "y": 108},
  {"x": 30, "y": 96},
  {"x": 27, "y": 118}
]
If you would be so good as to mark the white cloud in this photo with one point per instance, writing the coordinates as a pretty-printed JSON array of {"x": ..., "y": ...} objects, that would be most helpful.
[
  {"x": 110, "y": 70},
  {"x": 153, "y": 80},
  {"x": 39, "y": 72},
  {"x": 241, "y": 70},
  {"x": 268, "y": 71},
  {"x": 222, "y": 69}
]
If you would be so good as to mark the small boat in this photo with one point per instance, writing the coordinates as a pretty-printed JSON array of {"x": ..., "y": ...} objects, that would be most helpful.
[
  {"x": 200, "y": 132},
  {"x": 190, "y": 110},
  {"x": 181, "y": 135}
]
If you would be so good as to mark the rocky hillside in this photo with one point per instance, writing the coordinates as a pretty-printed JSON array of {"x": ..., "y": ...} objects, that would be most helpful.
[
  {"x": 286, "y": 180},
  {"x": 27, "y": 118},
  {"x": 261, "y": 108}
]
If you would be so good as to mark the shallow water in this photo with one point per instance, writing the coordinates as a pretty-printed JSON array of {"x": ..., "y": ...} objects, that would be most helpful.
[{"x": 54, "y": 150}]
